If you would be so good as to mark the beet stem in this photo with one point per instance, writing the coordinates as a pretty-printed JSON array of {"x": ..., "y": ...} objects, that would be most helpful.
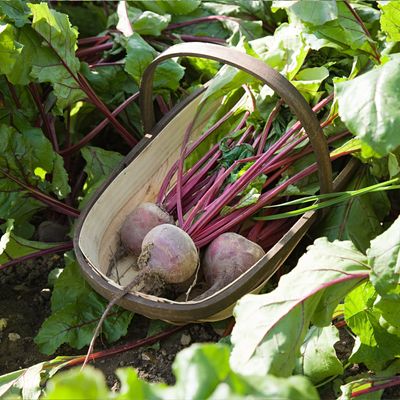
[
  {"x": 249, "y": 176},
  {"x": 171, "y": 172},
  {"x": 274, "y": 113}
]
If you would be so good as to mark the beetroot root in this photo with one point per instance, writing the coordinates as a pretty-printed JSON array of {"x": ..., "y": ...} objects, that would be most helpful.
[
  {"x": 226, "y": 258},
  {"x": 168, "y": 256},
  {"x": 139, "y": 222}
]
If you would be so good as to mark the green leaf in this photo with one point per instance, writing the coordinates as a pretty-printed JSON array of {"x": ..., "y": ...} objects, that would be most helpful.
[
  {"x": 285, "y": 51},
  {"x": 202, "y": 372},
  {"x": 76, "y": 310},
  {"x": 87, "y": 16},
  {"x": 388, "y": 307},
  {"x": 199, "y": 369},
  {"x": 31, "y": 51},
  {"x": 13, "y": 246},
  {"x": 55, "y": 60},
  {"x": 139, "y": 55},
  {"x": 227, "y": 79},
  {"x": 132, "y": 387},
  {"x": 368, "y": 105},
  {"x": 24, "y": 383},
  {"x": 313, "y": 12},
  {"x": 168, "y": 75},
  {"x": 19, "y": 207},
  {"x": 265, "y": 387},
  {"x": 175, "y": 7},
  {"x": 57, "y": 32},
  {"x": 22, "y": 116},
  {"x": 318, "y": 360},
  {"x": 99, "y": 165},
  {"x": 149, "y": 23},
  {"x": 40, "y": 61},
  {"x": 15, "y": 11},
  {"x": 29, "y": 156},
  {"x": 111, "y": 84},
  {"x": 198, "y": 376},
  {"x": 242, "y": 30},
  {"x": 374, "y": 345},
  {"x": 390, "y": 19},
  {"x": 270, "y": 328},
  {"x": 87, "y": 383},
  {"x": 343, "y": 33},
  {"x": 9, "y": 49},
  {"x": 384, "y": 259},
  {"x": 27, "y": 383},
  {"x": 358, "y": 219},
  {"x": 145, "y": 22},
  {"x": 308, "y": 81}
]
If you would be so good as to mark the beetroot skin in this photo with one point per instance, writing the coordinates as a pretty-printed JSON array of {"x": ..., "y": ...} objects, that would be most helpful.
[
  {"x": 169, "y": 253},
  {"x": 139, "y": 222},
  {"x": 226, "y": 258}
]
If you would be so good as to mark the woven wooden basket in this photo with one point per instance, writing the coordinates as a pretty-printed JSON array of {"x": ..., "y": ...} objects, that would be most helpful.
[{"x": 138, "y": 179}]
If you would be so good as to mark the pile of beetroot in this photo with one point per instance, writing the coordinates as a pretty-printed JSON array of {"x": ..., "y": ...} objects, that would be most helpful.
[{"x": 203, "y": 224}]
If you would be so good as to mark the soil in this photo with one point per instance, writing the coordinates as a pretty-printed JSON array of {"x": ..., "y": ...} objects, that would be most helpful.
[{"x": 25, "y": 304}]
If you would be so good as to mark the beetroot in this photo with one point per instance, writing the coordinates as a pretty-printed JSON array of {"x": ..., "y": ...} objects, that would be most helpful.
[
  {"x": 139, "y": 222},
  {"x": 168, "y": 256},
  {"x": 226, "y": 258}
]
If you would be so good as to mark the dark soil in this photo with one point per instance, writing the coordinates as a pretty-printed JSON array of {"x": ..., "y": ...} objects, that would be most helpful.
[{"x": 25, "y": 304}]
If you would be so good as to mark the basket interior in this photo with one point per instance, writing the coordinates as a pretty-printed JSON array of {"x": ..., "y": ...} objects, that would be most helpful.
[{"x": 138, "y": 182}]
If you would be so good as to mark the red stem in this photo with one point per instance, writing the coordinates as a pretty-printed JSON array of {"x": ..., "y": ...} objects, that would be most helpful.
[
  {"x": 206, "y": 39},
  {"x": 210, "y": 158},
  {"x": 44, "y": 198},
  {"x": 180, "y": 171},
  {"x": 52, "y": 250},
  {"x": 364, "y": 28},
  {"x": 48, "y": 126},
  {"x": 268, "y": 126},
  {"x": 240, "y": 215},
  {"x": 103, "y": 108},
  {"x": 84, "y": 85},
  {"x": 199, "y": 20},
  {"x": 95, "y": 131},
  {"x": 92, "y": 39},
  {"x": 106, "y": 64},
  {"x": 249, "y": 176},
  {"x": 94, "y": 49},
  {"x": 13, "y": 93},
  {"x": 162, "y": 105},
  {"x": 221, "y": 221},
  {"x": 189, "y": 184},
  {"x": 171, "y": 172},
  {"x": 394, "y": 382},
  {"x": 192, "y": 200}
]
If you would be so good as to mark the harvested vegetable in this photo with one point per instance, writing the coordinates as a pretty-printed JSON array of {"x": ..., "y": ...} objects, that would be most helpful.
[
  {"x": 226, "y": 258},
  {"x": 139, "y": 222}
]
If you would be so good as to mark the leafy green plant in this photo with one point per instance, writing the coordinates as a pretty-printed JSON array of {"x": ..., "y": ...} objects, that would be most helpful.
[
  {"x": 270, "y": 340},
  {"x": 202, "y": 371},
  {"x": 68, "y": 114}
]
